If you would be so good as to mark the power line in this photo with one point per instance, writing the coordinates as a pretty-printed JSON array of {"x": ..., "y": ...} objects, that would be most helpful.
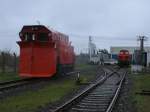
[
  {"x": 104, "y": 37},
  {"x": 83, "y": 35}
]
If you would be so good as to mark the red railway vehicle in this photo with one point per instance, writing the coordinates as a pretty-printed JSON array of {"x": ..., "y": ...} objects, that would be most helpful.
[
  {"x": 44, "y": 52},
  {"x": 124, "y": 58}
]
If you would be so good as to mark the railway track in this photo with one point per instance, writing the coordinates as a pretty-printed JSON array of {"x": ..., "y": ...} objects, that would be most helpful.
[
  {"x": 99, "y": 97},
  {"x": 15, "y": 83},
  {"x": 22, "y": 82}
]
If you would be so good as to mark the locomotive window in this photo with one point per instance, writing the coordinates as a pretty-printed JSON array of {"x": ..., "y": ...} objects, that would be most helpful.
[
  {"x": 127, "y": 53},
  {"x": 121, "y": 52},
  {"x": 43, "y": 37},
  {"x": 29, "y": 37}
]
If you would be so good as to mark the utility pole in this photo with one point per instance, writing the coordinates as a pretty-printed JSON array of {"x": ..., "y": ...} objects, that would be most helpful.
[
  {"x": 141, "y": 39},
  {"x": 90, "y": 42}
]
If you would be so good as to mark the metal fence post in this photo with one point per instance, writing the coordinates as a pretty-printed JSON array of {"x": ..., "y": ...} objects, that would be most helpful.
[
  {"x": 15, "y": 62},
  {"x": 3, "y": 62}
]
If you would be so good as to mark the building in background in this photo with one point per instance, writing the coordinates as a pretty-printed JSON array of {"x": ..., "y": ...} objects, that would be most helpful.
[
  {"x": 134, "y": 51},
  {"x": 93, "y": 55},
  {"x": 116, "y": 49},
  {"x": 97, "y": 56},
  {"x": 92, "y": 48}
]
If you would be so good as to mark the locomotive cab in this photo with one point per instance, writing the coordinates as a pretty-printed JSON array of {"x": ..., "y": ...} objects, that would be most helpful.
[
  {"x": 123, "y": 58},
  {"x": 37, "y": 52},
  {"x": 30, "y": 37}
]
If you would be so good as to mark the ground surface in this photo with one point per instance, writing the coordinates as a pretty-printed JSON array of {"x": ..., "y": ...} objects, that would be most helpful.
[
  {"x": 141, "y": 82},
  {"x": 8, "y": 76},
  {"x": 30, "y": 100},
  {"x": 129, "y": 100},
  {"x": 53, "y": 92}
]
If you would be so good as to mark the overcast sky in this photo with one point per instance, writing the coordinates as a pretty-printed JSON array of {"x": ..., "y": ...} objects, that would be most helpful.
[{"x": 110, "y": 22}]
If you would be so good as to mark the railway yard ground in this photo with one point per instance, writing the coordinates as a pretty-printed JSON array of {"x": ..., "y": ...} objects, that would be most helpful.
[
  {"x": 56, "y": 90},
  {"x": 134, "y": 95},
  {"x": 141, "y": 91},
  {"x": 8, "y": 76}
]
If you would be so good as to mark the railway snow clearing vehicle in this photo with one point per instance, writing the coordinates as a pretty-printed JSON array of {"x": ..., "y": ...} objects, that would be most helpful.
[{"x": 44, "y": 52}]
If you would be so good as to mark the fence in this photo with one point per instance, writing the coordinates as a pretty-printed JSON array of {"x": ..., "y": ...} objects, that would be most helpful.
[{"x": 8, "y": 62}]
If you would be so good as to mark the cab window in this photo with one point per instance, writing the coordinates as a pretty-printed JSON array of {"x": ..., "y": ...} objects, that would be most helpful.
[
  {"x": 42, "y": 37},
  {"x": 29, "y": 37}
]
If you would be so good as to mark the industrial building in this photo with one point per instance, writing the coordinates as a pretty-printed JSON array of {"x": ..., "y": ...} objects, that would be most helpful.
[
  {"x": 97, "y": 56},
  {"x": 93, "y": 57},
  {"x": 114, "y": 50}
]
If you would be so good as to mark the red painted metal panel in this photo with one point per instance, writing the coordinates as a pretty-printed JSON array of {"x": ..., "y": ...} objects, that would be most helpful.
[
  {"x": 44, "y": 61},
  {"x": 37, "y": 60},
  {"x": 25, "y": 59}
]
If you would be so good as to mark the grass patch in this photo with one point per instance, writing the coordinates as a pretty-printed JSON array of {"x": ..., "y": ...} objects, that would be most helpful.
[
  {"x": 8, "y": 76},
  {"x": 31, "y": 100},
  {"x": 141, "y": 82},
  {"x": 90, "y": 75},
  {"x": 83, "y": 66}
]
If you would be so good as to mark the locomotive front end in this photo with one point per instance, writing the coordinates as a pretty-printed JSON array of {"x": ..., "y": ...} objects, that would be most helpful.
[
  {"x": 37, "y": 52},
  {"x": 123, "y": 58}
]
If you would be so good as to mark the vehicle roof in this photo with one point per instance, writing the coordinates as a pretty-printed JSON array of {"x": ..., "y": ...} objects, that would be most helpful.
[
  {"x": 124, "y": 50},
  {"x": 31, "y": 28},
  {"x": 42, "y": 28}
]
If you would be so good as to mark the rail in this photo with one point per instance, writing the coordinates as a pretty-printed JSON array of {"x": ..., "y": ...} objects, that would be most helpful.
[
  {"x": 83, "y": 94},
  {"x": 112, "y": 104}
]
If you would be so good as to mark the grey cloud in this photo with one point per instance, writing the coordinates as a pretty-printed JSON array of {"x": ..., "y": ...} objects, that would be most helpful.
[{"x": 107, "y": 20}]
